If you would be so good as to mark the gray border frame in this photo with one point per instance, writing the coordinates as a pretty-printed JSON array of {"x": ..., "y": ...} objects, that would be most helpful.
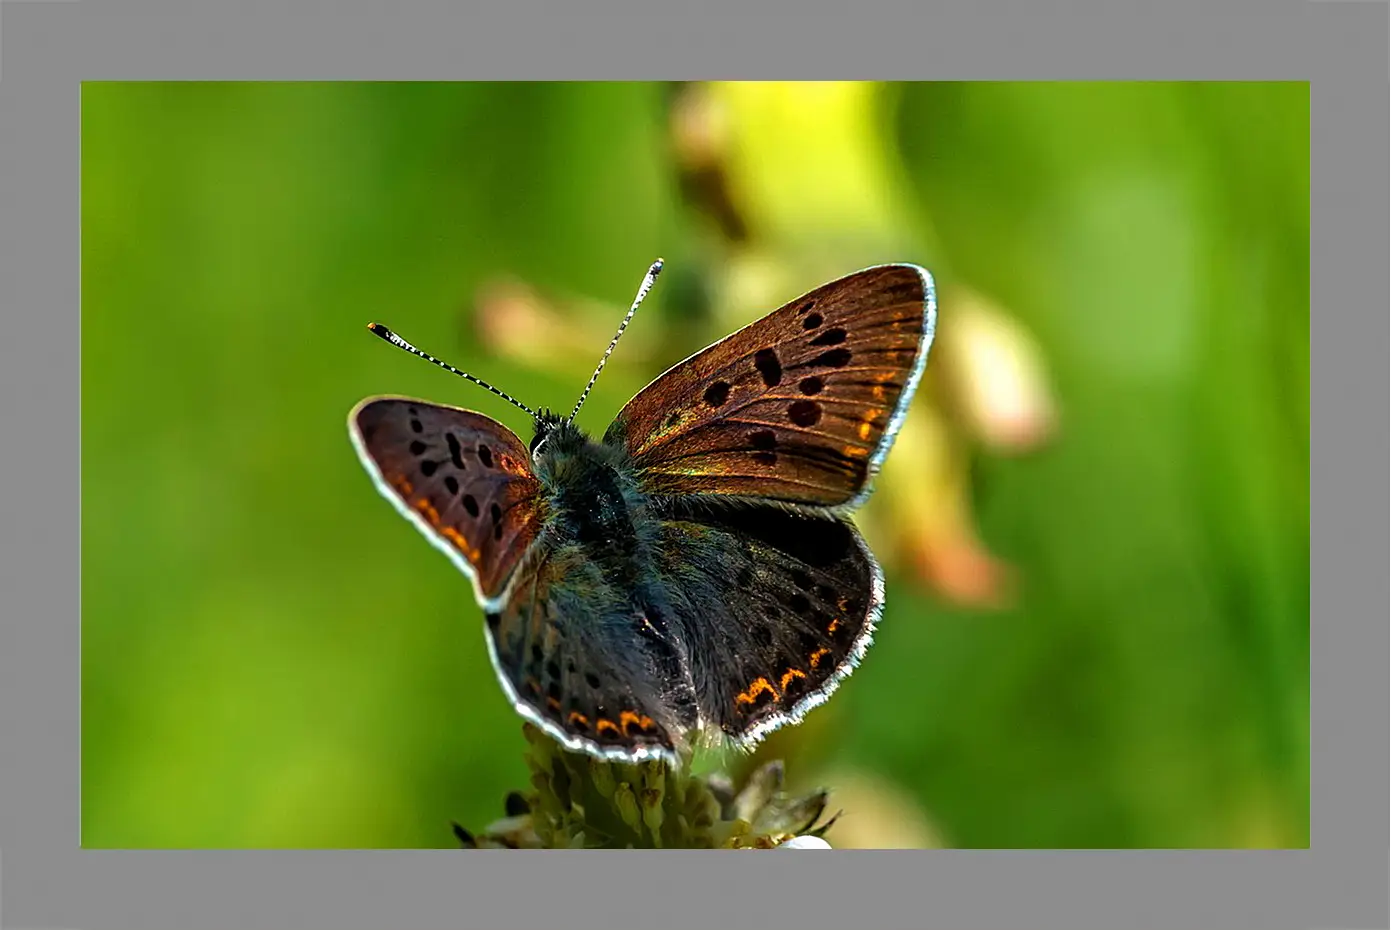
[{"x": 46, "y": 48}]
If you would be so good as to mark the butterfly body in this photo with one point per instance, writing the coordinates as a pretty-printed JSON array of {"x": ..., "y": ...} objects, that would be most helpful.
[
  {"x": 590, "y": 491},
  {"x": 694, "y": 569}
]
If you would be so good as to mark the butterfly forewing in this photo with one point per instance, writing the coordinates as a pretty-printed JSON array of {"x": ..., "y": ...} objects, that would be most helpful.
[
  {"x": 464, "y": 479},
  {"x": 800, "y": 406}
]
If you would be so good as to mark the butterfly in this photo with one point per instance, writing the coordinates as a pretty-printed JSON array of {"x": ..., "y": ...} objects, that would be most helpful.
[{"x": 693, "y": 571}]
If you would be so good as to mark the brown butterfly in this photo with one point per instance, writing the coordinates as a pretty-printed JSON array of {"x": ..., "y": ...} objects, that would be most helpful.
[{"x": 694, "y": 570}]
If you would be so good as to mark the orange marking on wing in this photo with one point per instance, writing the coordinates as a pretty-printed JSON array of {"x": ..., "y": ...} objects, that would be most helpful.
[
  {"x": 457, "y": 538},
  {"x": 759, "y": 685},
  {"x": 577, "y": 717},
  {"x": 627, "y": 718},
  {"x": 790, "y": 674},
  {"x": 818, "y": 655},
  {"x": 866, "y": 427},
  {"x": 428, "y": 511},
  {"x": 402, "y": 484},
  {"x": 552, "y": 703},
  {"x": 834, "y": 623},
  {"x": 603, "y": 724}
]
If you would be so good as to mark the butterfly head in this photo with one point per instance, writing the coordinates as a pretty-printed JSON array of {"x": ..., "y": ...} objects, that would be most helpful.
[{"x": 554, "y": 433}]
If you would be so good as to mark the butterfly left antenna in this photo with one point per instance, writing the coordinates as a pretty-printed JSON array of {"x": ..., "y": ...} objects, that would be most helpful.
[
  {"x": 400, "y": 343},
  {"x": 646, "y": 286}
]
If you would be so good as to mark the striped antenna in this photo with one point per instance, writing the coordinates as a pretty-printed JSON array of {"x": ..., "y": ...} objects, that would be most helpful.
[
  {"x": 400, "y": 343},
  {"x": 647, "y": 283}
]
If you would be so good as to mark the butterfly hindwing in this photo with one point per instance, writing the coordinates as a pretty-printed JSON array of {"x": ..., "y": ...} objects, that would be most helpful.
[
  {"x": 778, "y": 606},
  {"x": 462, "y": 478},
  {"x": 580, "y": 658},
  {"x": 800, "y": 406}
]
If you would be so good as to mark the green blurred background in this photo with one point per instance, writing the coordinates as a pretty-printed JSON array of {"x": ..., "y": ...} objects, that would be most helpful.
[{"x": 1095, "y": 530}]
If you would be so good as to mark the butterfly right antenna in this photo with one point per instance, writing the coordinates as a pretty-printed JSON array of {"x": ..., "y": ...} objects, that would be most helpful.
[{"x": 646, "y": 286}]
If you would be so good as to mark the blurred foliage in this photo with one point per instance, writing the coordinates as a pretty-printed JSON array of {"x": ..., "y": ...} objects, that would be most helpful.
[{"x": 1095, "y": 526}]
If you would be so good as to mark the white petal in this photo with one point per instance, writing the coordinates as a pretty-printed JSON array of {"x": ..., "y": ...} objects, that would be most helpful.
[{"x": 805, "y": 842}]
